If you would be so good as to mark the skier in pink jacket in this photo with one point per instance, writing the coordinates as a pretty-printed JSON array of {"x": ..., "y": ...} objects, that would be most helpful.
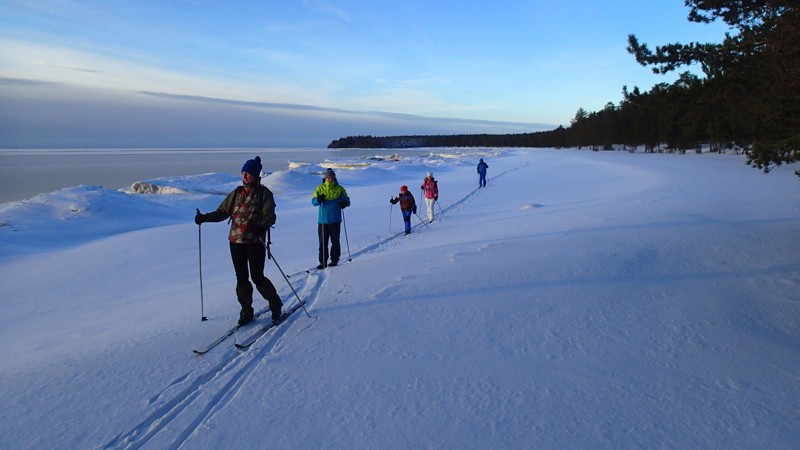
[{"x": 430, "y": 188}]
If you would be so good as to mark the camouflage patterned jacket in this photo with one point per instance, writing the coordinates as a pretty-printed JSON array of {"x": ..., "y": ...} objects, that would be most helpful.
[{"x": 251, "y": 210}]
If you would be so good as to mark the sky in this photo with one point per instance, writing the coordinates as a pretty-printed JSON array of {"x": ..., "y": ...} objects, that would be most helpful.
[
  {"x": 211, "y": 73},
  {"x": 625, "y": 300}
]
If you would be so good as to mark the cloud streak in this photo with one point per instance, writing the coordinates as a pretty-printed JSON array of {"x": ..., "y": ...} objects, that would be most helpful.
[{"x": 42, "y": 114}]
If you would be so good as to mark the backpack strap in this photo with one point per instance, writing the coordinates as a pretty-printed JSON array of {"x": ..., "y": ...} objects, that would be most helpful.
[{"x": 238, "y": 191}]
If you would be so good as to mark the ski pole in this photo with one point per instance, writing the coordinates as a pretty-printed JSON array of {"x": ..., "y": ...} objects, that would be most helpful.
[
  {"x": 323, "y": 240},
  {"x": 272, "y": 257},
  {"x": 344, "y": 222},
  {"x": 420, "y": 219},
  {"x": 440, "y": 207},
  {"x": 391, "y": 206},
  {"x": 200, "y": 261},
  {"x": 422, "y": 196}
]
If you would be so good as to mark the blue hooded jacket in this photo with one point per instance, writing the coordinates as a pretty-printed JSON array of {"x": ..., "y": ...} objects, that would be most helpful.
[{"x": 330, "y": 210}]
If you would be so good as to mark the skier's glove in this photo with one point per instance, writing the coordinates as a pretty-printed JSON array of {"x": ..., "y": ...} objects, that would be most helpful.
[
  {"x": 199, "y": 217},
  {"x": 414, "y": 210},
  {"x": 321, "y": 198},
  {"x": 436, "y": 199},
  {"x": 342, "y": 204}
]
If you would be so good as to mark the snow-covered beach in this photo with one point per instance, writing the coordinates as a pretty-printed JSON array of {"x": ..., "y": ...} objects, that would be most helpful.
[
  {"x": 582, "y": 300},
  {"x": 25, "y": 173}
]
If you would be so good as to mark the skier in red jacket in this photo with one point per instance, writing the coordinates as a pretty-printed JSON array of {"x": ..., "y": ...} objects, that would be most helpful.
[{"x": 407, "y": 206}]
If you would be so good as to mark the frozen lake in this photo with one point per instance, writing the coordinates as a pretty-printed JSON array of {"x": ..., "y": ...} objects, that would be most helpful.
[{"x": 28, "y": 172}]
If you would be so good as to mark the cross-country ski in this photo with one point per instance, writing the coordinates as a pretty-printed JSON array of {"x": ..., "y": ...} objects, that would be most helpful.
[
  {"x": 245, "y": 344},
  {"x": 227, "y": 334}
]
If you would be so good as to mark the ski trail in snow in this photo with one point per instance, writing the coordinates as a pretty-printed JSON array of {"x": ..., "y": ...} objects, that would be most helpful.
[
  {"x": 256, "y": 356},
  {"x": 180, "y": 380},
  {"x": 458, "y": 204},
  {"x": 453, "y": 207},
  {"x": 163, "y": 392},
  {"x": 205, "y": 393}
]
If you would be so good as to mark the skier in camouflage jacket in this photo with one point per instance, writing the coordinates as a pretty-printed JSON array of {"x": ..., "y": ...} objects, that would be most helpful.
[{"x": 251, "y": 210}]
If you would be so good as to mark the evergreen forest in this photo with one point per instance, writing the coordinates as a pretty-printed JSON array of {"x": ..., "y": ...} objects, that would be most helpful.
[{"x": 747, "y": 99}]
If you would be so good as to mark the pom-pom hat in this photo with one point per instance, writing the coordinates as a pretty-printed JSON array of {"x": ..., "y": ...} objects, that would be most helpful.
[
  {"x": 253, "y": 167},
  {"x": 403, "y": 188}
]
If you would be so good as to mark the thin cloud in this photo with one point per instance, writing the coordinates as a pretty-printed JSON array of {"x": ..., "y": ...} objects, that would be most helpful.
[
  {"x": 36, "y": 114},
  {"x": 326, "y": 8},
  {"x": 297, "y": 107},
  {"x": 22, "y": 82}
]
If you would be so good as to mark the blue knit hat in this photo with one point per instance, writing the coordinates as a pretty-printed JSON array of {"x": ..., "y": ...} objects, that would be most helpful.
[{"x": 253, "y": 167}]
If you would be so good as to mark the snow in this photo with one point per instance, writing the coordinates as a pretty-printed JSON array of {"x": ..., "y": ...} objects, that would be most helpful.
[{"x": 581, "y": 300}]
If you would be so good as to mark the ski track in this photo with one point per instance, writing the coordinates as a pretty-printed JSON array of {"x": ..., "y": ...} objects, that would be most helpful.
[
  {"x": 209, "y": 392},
  {"x": 444, "y": 212}
]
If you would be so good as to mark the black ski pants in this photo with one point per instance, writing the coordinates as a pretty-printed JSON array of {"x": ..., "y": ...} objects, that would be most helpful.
[
  {"x": 248, "y": 262},
  {"x": 329, "y": 232}
]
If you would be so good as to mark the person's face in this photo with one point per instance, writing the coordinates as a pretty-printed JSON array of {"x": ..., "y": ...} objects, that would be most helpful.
[
  {"x": 247, "y": 178},
  {"x": 329, "y": 179}
]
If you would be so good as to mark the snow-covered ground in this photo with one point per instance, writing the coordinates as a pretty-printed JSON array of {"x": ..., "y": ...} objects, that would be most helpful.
[{"x": 581, "y": 300}]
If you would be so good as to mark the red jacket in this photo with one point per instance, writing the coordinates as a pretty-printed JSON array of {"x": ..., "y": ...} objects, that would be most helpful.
[{"x": 406, "y": 200}]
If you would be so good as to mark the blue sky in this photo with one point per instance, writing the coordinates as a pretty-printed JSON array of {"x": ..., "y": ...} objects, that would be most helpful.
[{"x": 229, "y": 73}]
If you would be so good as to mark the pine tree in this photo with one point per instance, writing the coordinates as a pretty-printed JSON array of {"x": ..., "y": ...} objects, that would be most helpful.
[{"x": 753, "y": 75}]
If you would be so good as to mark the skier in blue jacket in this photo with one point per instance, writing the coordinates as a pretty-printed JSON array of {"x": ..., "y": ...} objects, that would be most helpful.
[
  {"x": 331, "y": 198},
  {"x": 482, "y": 166}
]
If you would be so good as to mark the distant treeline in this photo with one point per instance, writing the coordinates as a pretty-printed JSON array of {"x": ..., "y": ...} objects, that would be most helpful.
[
  {"x": 749, "y": 98},
  {"x": 540, "y": 139}
]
